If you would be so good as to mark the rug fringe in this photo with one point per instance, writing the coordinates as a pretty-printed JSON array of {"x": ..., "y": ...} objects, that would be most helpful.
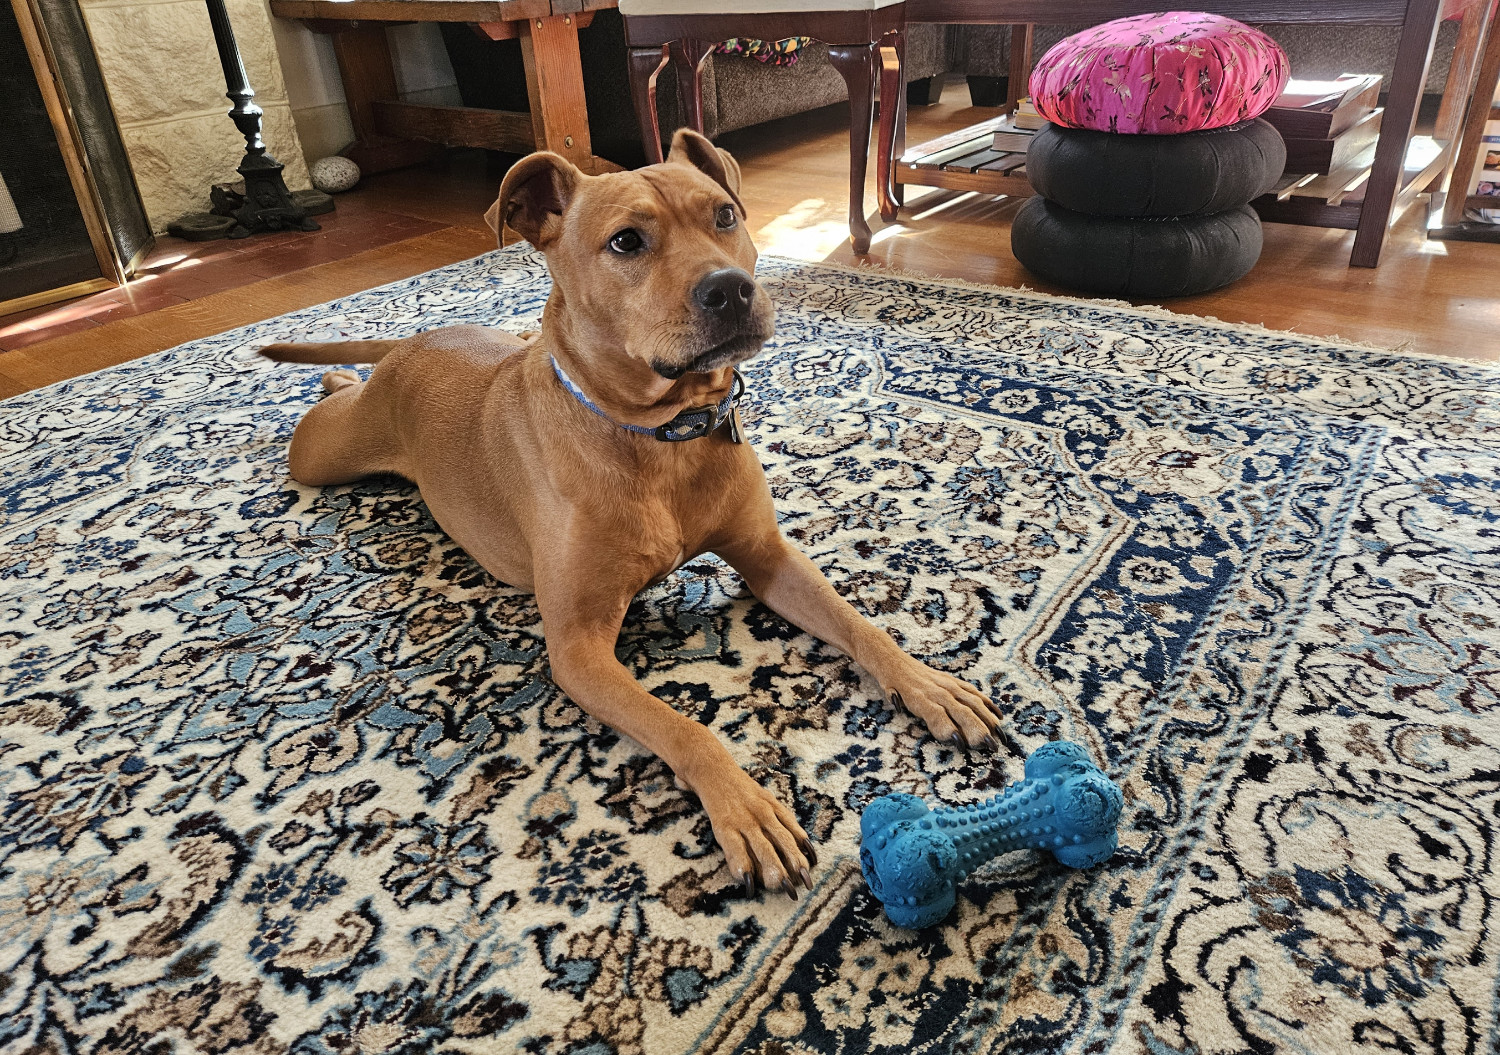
[{"x": 1151, "y": 310}]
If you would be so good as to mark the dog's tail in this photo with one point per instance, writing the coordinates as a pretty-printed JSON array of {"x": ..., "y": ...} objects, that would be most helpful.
[{"x": 330, "y": 354}]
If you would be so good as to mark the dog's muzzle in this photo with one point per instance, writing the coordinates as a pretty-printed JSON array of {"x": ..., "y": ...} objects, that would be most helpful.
[{"x": 731, "y": 323}]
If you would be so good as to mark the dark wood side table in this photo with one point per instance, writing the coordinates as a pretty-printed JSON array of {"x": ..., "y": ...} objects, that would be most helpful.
[
  {"x": 1403, "y": 165},
  {"x": 390, "y": 133},
  {"x": 864, "y": 41}
]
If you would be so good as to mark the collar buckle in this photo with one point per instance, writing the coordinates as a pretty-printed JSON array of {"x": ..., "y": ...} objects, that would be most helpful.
[
  {"x": 697, "y": 422},
  {"x": 688, "y": 425}
]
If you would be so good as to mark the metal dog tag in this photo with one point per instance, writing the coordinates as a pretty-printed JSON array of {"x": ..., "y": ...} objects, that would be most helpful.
[{"x": 735, "y": 433}]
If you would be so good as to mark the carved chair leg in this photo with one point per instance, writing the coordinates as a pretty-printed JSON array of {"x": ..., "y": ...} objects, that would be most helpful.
[
  {"x": 856, "y": 64},
  {"x": 687, "y": 58},
  {"x": 645, "y": 66}
]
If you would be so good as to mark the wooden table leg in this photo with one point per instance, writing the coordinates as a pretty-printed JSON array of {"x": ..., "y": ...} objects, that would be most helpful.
[
  {"x": 1460, "y": 83},
  {"x": 1457, "y": 89},
  {"x": 364, "y": 58},
  {"x": 645, "y": 66},
  {"x": 554, "y": 85},
  {"x": 890, "y": 142},
  {"x": 1022, "y": 37},
  {"x": 856, "y": 64},
  {"x": 1413, "y": 54}
]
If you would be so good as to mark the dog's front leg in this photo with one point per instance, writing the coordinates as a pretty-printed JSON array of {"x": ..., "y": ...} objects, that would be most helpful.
[
  {"x": 759, "y": 834},
  {"x": 790, "y": 584}
]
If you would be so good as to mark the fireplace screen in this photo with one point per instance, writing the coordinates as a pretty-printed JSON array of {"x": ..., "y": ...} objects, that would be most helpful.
[{"x": 70, "y": 217}]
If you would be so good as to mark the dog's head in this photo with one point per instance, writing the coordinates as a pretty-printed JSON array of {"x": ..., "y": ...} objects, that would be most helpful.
[{"x": 655, "y": 262}]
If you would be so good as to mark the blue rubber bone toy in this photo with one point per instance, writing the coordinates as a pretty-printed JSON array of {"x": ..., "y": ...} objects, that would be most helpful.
[{"x": 913, "y": 857}]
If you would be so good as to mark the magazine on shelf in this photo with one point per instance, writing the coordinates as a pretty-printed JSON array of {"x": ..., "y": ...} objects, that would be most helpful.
[
  {"x": 1316, "y": 154},
  {"x": 1323, "y": 109},
  {"x": 1486, "y": 180}
]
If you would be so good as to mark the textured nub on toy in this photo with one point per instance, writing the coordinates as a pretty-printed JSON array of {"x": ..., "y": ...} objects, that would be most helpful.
[{"x": 913, "y": 856}]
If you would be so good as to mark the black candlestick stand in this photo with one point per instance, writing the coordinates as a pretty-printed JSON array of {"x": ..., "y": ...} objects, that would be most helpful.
[{"x": 266, "y": 204}]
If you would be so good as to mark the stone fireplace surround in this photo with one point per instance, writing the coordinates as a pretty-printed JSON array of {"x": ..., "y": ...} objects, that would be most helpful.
[{"x": 167, "y": 88}]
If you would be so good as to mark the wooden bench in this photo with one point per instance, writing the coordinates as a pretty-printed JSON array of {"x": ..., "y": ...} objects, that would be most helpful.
[{"x": 391, "y": 134}]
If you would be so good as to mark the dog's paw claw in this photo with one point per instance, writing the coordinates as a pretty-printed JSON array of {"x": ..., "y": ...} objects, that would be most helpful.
[
  {"x": 760, "y": 837},
  {"x": 953, "y": 710}
]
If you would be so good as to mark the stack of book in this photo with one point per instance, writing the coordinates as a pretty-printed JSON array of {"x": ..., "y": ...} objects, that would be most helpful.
[
  {"x": 1328, "y": 125},
  {"x": 1026, "y": 115},
  {"x": 1013, "y": 131}
]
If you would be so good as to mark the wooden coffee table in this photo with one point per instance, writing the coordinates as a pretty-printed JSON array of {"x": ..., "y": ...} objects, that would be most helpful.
[
  {"x": 390, "y": 133},
  {"x": 1403, "y": 165}
]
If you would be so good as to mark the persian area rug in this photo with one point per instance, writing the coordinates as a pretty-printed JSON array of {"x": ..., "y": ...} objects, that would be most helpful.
[{"x": 282, "y": 770}]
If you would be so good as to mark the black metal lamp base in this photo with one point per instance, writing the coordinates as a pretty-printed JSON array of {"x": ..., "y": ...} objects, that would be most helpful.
[{"x": 266, "y": 204}]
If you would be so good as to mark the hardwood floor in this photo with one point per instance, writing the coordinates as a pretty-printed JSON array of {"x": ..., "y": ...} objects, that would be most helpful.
[
  {"x": 94, "y": 349},
  {"x": 177, "y": 271},
  {"x": 1428, "y": 297}
]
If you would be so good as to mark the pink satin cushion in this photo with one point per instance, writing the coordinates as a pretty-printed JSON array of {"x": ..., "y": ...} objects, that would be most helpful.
[{"x": 1161, "y": 74}]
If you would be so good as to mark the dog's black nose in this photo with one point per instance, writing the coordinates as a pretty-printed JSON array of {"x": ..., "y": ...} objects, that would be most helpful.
[{"x": 725, "y": 294}]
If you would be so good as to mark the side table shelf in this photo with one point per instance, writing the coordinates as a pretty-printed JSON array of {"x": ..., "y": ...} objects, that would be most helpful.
[
  {"x": 965, "y": 161},
  {"x": 1337, "y": 199}
]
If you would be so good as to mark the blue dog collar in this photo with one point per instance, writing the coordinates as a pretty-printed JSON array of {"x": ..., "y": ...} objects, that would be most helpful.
[{"x": 688, "y": 425}]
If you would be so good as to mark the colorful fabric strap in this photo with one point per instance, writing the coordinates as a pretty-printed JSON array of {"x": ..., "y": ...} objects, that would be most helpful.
[{"x": 775, "y": 52}]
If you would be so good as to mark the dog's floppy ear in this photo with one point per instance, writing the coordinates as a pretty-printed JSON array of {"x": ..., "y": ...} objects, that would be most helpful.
[
  {"x": 692, "y": 148},
  {"x": 533, "y": 196}
]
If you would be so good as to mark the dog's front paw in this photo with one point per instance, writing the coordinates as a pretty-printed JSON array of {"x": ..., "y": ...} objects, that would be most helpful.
[
  {"x": 760, "y": 836},
  {"x": 952, "y": 709}
]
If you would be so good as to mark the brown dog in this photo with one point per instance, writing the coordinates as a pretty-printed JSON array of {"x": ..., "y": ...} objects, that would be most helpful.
[{"x": 653, "y": 303}]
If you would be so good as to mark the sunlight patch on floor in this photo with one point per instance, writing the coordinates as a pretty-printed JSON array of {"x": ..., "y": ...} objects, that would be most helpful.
[
  {"x": 809, "y": 230},
  {"x": 943, "y": 205}
]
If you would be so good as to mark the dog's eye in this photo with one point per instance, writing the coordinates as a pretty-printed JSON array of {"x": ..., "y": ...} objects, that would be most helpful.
[
  {"x": 626, "y": 241},
  {"x": 726, "y": 218}
]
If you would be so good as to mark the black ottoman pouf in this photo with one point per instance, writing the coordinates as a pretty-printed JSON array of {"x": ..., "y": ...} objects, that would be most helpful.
[
  {"x": 1105, "y": 174},
  {"x": 1124, "y": 257}
]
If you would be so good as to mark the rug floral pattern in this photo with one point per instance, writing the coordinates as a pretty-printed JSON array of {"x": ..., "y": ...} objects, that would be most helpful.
[{"x": 281, "y": 769}]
